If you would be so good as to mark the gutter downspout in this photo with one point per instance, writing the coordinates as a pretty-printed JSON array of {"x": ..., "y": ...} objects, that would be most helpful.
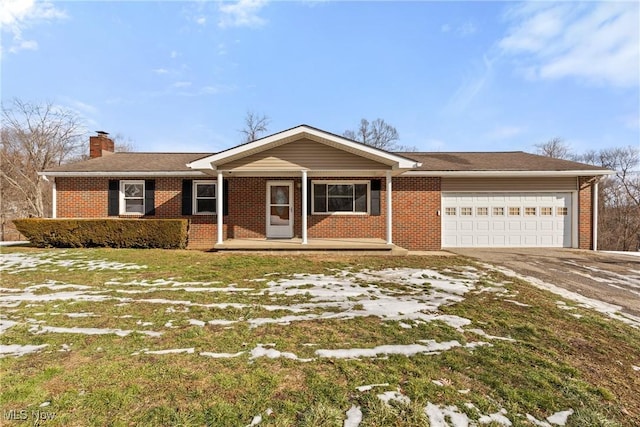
[{"x": 54, "y": 200}]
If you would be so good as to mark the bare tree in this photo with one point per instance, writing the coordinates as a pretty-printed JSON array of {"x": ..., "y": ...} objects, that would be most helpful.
[
  {"x": 254, "y": 126},
  {"x": 378, "y": 134},
  {"x": 556, "y": 148},
  {"x": 34, "y": 137}
]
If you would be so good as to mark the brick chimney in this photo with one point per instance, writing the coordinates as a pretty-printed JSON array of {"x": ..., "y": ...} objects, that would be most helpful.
[{"x": 100, "y": 145}]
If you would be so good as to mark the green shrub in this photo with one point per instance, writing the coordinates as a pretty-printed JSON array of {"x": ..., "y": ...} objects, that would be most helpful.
[{"x": 114, "y": 233}]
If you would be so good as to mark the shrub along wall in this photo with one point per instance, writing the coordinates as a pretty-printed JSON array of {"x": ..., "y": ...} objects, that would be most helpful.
[{"x": 114, "y": 233}]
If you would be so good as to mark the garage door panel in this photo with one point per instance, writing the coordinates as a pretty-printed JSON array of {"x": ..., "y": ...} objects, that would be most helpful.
[{"x": 537, "y": 219}]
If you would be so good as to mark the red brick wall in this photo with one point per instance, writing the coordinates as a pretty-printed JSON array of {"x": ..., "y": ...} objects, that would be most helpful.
[
  {"x": 416, "y": 225},
  {"x": 585, "y": 216},
  {"x": 416, "y": 202}
]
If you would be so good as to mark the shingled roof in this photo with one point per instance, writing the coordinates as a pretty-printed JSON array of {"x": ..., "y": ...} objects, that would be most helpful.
[
  {"x": 495, "y": 161},
  {"x": 176, "y": 163}
]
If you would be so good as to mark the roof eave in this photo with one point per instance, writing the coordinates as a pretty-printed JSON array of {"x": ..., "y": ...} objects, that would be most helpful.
[
  {"x": 102, "y": 174},
  {"x": 508, "y": 173}
]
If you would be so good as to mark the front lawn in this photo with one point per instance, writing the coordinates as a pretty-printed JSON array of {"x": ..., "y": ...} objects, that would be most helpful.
[{"x": 158, "y": 337}]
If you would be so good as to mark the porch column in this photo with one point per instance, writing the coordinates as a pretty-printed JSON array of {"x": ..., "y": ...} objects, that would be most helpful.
[
  {"x": 575, "y": 218},
  {"x": 219, "y": 206},
  {"x": 389, "y": 211},
  {"x": 304, "y": 207},
  {"x": 54, "y": 200},
  {"x": 594, "y": 213}
]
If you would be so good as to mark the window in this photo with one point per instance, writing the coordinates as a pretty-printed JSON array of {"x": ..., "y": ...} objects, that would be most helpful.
[
  {"x": 132, "y": 198},
  {"x": 546, "y": 211},
  {"x": 514, "y": 211},
  {"x": 204, "y": 197},
  {"x": 466, "y": 211},
  {"x": 530, "y": 211},
  {"x": 482, "y": 211},
  {"x": 340, "y": 197},
  {"x": 450, "y": 211},
  {"x": 562, "y": 211},
  {"x": 498, "y": 211}
]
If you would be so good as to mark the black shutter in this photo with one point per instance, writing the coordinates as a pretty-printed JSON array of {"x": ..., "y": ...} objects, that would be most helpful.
[
  {"x": 375, "y": 197},
  {"x": 309, "y": 199},
  {"x": 150, "y": 197},
  {"x": 187, "y": 196},
  {"x": 114, "y": 198},
  {"x": 225, "y": 197}
]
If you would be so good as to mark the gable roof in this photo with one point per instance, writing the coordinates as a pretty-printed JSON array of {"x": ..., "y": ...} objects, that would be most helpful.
[{"x": 394, "y": 160}]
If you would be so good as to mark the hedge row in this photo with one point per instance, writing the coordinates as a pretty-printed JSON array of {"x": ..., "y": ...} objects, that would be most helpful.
[{"x": 113, "y": 233}]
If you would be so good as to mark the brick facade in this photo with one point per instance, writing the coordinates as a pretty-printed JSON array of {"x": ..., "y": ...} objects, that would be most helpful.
[
  {"x": 416, "y": 208},
  {"x": 585, "y": 215}
]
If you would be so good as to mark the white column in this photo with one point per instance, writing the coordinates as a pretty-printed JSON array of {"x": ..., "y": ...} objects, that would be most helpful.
[
  {"x": 594, "y": 197},
  {"x": 389, "y": 211},
  {"x": 54, "y": 200},
  {"x": 575, "y": 217},
  {"x": 304, "y": 207},
  {"x": 219, "y": 206}
]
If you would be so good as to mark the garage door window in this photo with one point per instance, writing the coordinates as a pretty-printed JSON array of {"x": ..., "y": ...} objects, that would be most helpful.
[
  {"x": 530, "y": 211},
  {"x": 562, "y": 211},
  {"x": 450, "y": 211},
  {"x": 498, "y": 211},
  {"x": 482, "y": 211},
  {"x": 546, "y": 211},
  {"x": 466, "y": 211},
  {"x": 514, "y": 211}
]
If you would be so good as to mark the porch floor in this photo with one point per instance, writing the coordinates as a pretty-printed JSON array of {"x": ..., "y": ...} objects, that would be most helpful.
[{"x": 359, "y": 246}]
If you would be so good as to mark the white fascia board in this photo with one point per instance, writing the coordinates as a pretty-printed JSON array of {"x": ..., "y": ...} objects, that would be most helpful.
[
  {"x": 209, "y": 162},
  {"x": 507, "y": 174},
  {"x": 123, "y": 174}
]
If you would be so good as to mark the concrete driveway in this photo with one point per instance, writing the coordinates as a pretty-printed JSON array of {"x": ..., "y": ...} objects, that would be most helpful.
[{"x": 610, "y": 277}]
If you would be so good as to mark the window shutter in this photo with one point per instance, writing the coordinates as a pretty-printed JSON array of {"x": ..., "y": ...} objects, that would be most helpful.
[
  {"x": 150, "y": 197},
  {"x": 309, "y": 199},
  {"x": 375, "y": 197},
  {"x": 114, "y": 198},
  {"x": 225, "y": 197},
  {"x": 187, "y": 196}
]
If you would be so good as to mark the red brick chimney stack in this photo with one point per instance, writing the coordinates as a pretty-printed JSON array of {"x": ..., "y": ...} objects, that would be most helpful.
[{"x": 100, "y": 144}]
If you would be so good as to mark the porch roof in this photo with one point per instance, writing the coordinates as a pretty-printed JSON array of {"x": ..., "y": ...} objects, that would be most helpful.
[{"x": 384, "y": 159}]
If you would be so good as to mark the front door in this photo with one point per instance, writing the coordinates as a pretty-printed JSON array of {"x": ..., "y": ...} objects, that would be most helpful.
[{"x": 280, "y": 209}]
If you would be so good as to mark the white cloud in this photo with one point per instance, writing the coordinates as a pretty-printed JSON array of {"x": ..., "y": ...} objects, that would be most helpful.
[
  {"x": 182, "y": 84},
  {"x": 471, "y": 87},
  {"x": 594, "y": 42},
  {"x": 243, "y": 13},
  {"x": 161, "y": 71},
  {"x": 462, "y": 30},
  {"x": 19, "y": 15},
  {"x": 504, "y": 132},
  {"x": 173, "y": 54},
  {"x": 201, "y": 20}
]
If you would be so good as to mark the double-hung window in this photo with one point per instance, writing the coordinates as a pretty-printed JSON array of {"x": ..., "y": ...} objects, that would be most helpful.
[
  {"x": 132, "y": 198},
  {"x": 340, "y": 197},
  {"x": 204, "y": 197}
]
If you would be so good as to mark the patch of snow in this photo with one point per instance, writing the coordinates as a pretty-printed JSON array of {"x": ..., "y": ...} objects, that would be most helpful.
[
  {"x": 221, "y": 355},
  {"x": 370, "y": 386},
  {"x": 17, "y": 350},
  {"x": 195, "y": 322},
  {"x": 635, "y": 368},
  {"x": 14, "y": 263},
  {"x": 498, "y": 418},
  {"x": 518, "y": 303},
  {"x": 255, "y": 421},
  {"x": 438, "y": 416},
  {"x": 464, "y": 391},
  {"x": 45, "y": 404},
  {"x": 560, "y": 418},
  {"x": 170, "y": 351},
  {"x": 537, "y": 422},
  {"x": 354, "y": 417},
  {"x": 491, "y": 337},
  {"x": 432, "y": 347},
  {"x": 630, "y": 253},
  {"x": 80, "y": 315},
  {"x": 6, "y": 324},
  {"x": 388, "y": 396},
  {"x": 272, "y": 353}
]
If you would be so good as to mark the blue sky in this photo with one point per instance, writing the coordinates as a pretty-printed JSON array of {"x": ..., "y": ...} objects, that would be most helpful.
[{"x": 450, "y": 76}]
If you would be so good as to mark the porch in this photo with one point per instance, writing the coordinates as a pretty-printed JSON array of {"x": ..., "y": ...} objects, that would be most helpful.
[{"x": 295, "y": 245}]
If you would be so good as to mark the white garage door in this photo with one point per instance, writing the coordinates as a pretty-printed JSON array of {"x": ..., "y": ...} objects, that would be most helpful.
[{"x": 506, "y": 219}]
